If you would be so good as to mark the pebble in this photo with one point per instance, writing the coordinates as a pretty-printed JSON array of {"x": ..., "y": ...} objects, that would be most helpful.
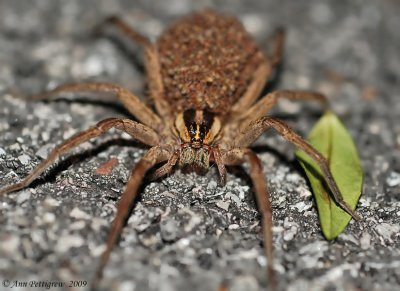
[
  {"x": 169, "y": 230},
  {"x": 69, "y": 241},
  {"x": 234, "y": 198},
  {"x": 2, "y": 152},
  {"x": 127, "y": 286},
  {"x": 44, "y": 151},
  {"x": 365, "y": 241},
  {"x": 212, "y": 185},
  {"x": 386, "y": 230},
  {"x": 393, "y": 179},
  {"x": 9, "y": 244},
  {"x": 97, "y": 250},
  {"x": 15, "y": 147},
  {"x": 349, "y": 237},
  {"x": 247, "y": 283},
  {"x": 77, "y": 225},
  {"x": 24, "y": 159},
  {"x": 50, "y": 203},
  {"x": 49, "y": 217},
  {"x": 223, "y": 205},
  {"x": 290, "y": 233},
  {"x": 23, "y": 196},
  {"x": 79, "y": 214},
  {"x": 315, "y": 248},
  {"x": 302, "y": 206}
]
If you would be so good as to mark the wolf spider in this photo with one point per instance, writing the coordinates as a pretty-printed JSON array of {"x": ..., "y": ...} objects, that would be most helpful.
[{"x": 205, "y": 74}]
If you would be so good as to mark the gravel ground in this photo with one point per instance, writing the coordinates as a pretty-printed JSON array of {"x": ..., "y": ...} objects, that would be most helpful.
[{"x": 186, "y": 231}]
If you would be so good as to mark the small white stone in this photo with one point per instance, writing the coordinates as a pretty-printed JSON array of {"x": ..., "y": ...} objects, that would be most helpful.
[
  {"x": 349, "y": 237},
  {"x": 23, "y": 196},
  {"x": 127, "y": 286},
  {"x": 97, "y": 223},
  {"x": 386, "y": 230},
  {"x": 316, "y": 248},
  {"x": 50, "y": 202},
  {"x": 212, "y": 185},
  {"x": 365, "y": 241},
  {"x": 45, "y": 136},
  {"x": 393, "y": 179},
  {"x": 244, "y": 282},
  {"x": 302, "y": 206},
  {"x": 15, "y": 147},
  {"x": 234, "y": 198},
  {"x": 44, "y": 151},
  {"x": 2, "y": 152},
  {"x": 24, "y": 159},
  {"x": 49, "y": 218},
  {"x": 304, "y": 191},
  {"x": 79, "y": 214},
  {"x": 69, "y": 241},
  {"x": 223, "y": 205},
  {"x": 98, "y": 250},
  {"x": 254, "y": 23},
  {"x": 78, "y": 225},
  {"x": 10, "y": 244},
  {"x": 365, "y": 202},
  {"x": 289, "y": 234}
]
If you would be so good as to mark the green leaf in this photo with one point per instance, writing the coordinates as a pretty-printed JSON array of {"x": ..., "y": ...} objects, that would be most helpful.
[{"x": 331, "y": 138}]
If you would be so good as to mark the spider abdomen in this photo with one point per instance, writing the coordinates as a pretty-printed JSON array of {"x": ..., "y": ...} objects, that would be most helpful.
[{"x": 207, "y": 60}]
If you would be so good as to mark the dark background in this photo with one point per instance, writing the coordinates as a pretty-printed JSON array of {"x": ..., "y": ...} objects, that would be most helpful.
[{"x": 186, "y": 230}]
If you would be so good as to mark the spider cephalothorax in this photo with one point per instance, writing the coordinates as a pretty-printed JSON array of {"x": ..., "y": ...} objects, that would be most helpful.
[
  {"x": 197, "y": 129},
  {"x": 205, "y": 76}
]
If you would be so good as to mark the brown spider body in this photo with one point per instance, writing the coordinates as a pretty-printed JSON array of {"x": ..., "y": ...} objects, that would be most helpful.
[
  {"x": 207, "y": 60},
  {"x": 205, "y": 76}
]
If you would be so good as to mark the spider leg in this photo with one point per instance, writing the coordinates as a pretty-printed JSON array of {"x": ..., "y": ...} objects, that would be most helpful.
[
  {"x": 261, "y": 75},
  {"x": 257, "y": 127},
  {"x": 278, "y": 38},
  {"x": 152, "y": 157},
  {"x": 136, "y": 130},
  {"x": 166, "y": 168},
  {"x": 278, "y": 52},
  {"x": 238, "y": 156},
  {"x": 220, "y": 164},
  {"x": 252, "y": 92},
  {"x": 130, "y": 101},
  {"x": 151, "y": 63},
  {"x": 262, "y": 107}
]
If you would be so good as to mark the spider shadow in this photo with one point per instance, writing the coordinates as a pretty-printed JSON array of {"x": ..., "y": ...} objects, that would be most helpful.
[
  {"x": 51, "y": 174},
  {"x": 122, "y": 42},
  {"x": 90, "y": 99}
]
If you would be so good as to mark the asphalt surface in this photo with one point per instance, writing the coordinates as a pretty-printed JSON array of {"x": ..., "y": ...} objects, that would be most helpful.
[{"x": 186, "y": 231}]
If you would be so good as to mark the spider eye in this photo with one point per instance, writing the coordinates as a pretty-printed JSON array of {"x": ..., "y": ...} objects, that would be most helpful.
[
  {"x": 192, "y": 129},
  {"x": 197, "y": 127},
  {"x": 203, "y": 131}
]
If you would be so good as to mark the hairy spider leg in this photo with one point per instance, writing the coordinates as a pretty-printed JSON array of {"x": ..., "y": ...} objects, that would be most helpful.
[
  {"x": 260, "y": 76},
  {"x": 265, "y": 104},
  {"x": 151, "y": 63},
  {"x": 130, "y": 101},
  {"x": 152, "y": 157},
  {"x": 239, "y": 156},
  {"x": 259, "y": 126},
  {"x": 135, "y": 129}
]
